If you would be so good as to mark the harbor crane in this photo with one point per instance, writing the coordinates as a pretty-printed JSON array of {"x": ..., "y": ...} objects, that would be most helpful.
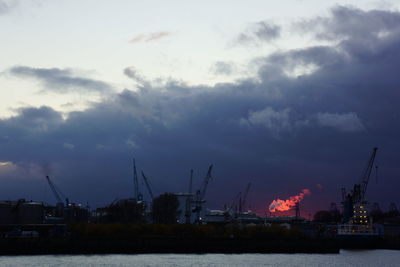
[
  {"x": 359, "y": 190},
  {"x": 354, "y": 203},
  {"x": 233, "y": 206},
  {"x": 56, "y": 192},
  {"x": 189, "y": 200},
  {"x": 200, "y": 195},
  {"x": 137, "y": 195},
  {"x": 206, "y": 181},
  {"x": 190, "y": 181},
  {"x": 146, "y": 181},
  {"x": 243, "y": 200}
]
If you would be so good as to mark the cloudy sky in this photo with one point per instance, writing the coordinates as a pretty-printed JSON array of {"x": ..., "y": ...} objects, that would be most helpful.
[{"x": 288, "y": 95}]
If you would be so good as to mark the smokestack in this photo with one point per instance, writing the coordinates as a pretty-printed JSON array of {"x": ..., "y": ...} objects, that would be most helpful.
[{"x": 297, "y": 208}]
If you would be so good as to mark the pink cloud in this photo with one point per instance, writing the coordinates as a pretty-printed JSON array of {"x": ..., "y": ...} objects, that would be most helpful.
[{"x": 149, "y": 37}]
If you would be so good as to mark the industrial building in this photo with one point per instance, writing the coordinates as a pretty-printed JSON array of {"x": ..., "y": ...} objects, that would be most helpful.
[{"x": 21, "y": 212}]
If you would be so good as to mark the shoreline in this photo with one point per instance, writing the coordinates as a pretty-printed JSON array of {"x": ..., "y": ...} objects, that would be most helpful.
[{"x": 163, "y": 245}]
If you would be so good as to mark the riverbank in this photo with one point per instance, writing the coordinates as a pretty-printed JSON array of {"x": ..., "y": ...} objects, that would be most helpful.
[
  {"x": 94, "y": 238},
  {"x": 142, "y": 239},
  {"x": 39, "y": 246}
]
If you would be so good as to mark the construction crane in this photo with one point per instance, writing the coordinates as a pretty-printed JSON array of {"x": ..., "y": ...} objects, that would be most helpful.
[
  {"x": 360, "y": 189},
  {"x": 56, "y": 192},
  {"x": 355, "y": 202},
  {"x": 137, "y": 195},
  {"x": 205, "y": 183},
  {"x": 235, "y": 200},
  {"x": 243, "y": 201},
  {"x": 367, "y": 173},
  {"x": 189, "y": 200},
  {"x": 146, "y": 182},
  {"x": 200, "y": 194}
]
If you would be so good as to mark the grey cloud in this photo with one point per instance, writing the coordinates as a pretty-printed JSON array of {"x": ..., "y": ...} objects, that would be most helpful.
[
  {"x": 259, "y": 32},
  {"x": 274, "y": 121},
  {"x": 321, "y": 119},
  {"x": 223, "y": 68},
  {"x": 348, "y": 122},
  {"x": 3, "y": 7},
  {"x": 132, "y": 73},
  {"x": 61, "y": 80},
  {"x": 267, "y": 31},
  {"x": 7, "y": 5}
]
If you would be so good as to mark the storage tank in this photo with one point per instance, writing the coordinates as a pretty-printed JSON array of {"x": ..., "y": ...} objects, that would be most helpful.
[{"x": 7, "y": 213}]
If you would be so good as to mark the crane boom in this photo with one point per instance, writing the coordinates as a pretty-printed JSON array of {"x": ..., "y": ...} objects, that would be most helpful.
[
  {"x": 135, "y": 181},
  {"x": 234, "y": 201},
  {"x": 205, "y": 183},
  {"x": 200, "y": 195},
  {"x": 245, "y": 195},
  {"x": 53, "y": 188},
  {"x": 367, "y": 173},
  {"x": 148, "y": 186}
]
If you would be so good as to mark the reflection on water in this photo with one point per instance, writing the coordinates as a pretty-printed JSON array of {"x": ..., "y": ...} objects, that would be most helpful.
[{"x": 363, "y": 258}]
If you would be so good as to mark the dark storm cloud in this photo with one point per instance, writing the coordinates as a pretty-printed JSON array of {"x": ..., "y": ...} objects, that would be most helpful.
[
  {"x": 353, "y": 23},
  {"x": 259, "y": 32},
  {"x": 61, "y": 80},
  {"x": 281, "y": 131}
]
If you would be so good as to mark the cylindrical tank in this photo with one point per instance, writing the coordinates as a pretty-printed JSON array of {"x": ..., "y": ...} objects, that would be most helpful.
[{"x": 7, "y": 215}]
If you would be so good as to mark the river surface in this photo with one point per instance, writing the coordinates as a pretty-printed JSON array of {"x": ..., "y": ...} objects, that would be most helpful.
[{"x": 380, "y": 258}]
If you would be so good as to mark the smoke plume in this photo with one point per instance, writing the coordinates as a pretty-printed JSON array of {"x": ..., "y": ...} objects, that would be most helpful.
[{"x": 285, "y": 205}]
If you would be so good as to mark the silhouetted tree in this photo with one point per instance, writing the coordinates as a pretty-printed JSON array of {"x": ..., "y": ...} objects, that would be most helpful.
[{"x": 165, "y": 209}]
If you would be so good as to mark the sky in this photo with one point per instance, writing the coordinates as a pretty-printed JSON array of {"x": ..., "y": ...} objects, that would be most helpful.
[{"x": 287, "y": 95}]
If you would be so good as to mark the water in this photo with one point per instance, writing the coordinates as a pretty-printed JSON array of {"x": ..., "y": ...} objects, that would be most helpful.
[{"x": 381, "y": 258}]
